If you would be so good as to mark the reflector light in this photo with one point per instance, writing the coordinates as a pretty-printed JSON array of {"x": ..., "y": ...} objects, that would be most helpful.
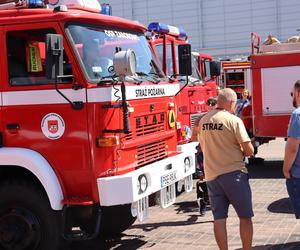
[{"x": 162, "y": 28}]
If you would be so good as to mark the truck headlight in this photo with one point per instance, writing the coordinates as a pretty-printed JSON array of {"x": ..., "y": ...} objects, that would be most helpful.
[
  {"x": 187, "y": 164},
  {"x": 142, "y": 183}
]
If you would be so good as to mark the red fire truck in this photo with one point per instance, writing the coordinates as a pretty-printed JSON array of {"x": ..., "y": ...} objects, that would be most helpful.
[
  {"x": 165, "y": 40},
  {"x": 87, "y": 125},
  {"x": 275, "y": 69},
  {"x": 235, "y": 74}
]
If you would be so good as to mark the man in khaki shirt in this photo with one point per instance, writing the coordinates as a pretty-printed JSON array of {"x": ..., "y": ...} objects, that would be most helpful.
[{"x": 225, "y": 142}]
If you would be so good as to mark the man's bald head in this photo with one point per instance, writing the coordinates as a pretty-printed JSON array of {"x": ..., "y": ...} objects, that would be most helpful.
[{"x": 227, "y": 99}]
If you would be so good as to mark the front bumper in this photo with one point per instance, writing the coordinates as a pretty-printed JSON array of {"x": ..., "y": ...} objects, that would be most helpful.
[{"x": 123, "y": 189}]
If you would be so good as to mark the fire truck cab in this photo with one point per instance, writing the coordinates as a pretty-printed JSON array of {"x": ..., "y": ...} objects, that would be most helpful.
[{"x": 87, "y": 125}]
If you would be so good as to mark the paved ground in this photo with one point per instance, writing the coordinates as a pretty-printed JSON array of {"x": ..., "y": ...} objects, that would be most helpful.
[{"x": 181, "y": 227}]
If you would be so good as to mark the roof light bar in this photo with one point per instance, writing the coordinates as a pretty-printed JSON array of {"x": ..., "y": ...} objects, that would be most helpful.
[{"x": 162, "y": 28}]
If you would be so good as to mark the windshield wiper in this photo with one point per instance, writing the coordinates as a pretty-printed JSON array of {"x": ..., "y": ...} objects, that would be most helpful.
[
  {"x": 191, "y": 80},
  {"x": 156, "y": 78},
  {"x": 136, "y": 81},
  {"x": 150, "y": 78},
  {"x": 107, "y": 79}
]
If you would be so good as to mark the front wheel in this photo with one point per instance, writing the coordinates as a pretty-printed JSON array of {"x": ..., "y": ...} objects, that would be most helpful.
[{"x": 26, "y": 218}]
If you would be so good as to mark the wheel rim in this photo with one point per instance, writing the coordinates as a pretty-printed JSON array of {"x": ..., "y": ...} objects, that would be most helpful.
[{"x": 19, "y": 229}]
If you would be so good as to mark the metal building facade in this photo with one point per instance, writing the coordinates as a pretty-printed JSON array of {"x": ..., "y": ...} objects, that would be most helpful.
[{"x": 219, "y": 27}]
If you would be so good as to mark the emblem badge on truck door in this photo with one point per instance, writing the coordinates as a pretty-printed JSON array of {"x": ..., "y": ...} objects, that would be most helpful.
[{"x": 53, "y": 126}]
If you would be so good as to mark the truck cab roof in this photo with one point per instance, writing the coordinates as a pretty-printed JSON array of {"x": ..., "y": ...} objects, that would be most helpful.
[{"x": 15, "y": 16}]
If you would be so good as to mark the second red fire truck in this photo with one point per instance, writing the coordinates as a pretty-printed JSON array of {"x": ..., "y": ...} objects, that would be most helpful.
[{"x": 165, "y": 41}]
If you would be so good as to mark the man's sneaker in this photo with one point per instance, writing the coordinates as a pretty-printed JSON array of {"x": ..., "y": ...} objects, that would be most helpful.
[{"x": 202, "y": 207}]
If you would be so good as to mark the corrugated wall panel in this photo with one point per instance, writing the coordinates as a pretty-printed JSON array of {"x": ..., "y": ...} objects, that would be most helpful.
[
  {"x": 289, "y": 17},
  {"x": 219, "y": 27}
]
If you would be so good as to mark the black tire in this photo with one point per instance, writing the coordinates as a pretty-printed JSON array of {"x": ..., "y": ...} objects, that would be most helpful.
[
  {"x": 115, "y": 220},
  {"x": 26, "y": 218}
]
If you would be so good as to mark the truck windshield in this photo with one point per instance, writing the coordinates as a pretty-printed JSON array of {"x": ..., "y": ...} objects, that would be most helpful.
[
  {"x": 195, "y": 78},
  {"x": 195, "y": 72},
  {"x": 96, "y": 46}
]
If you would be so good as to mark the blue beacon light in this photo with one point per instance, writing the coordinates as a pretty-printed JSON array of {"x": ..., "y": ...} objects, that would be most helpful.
[
  {"x": 159, "y": 28},
  {"x": 167, "y": 29},
  {"x": 106, "y": 9},
  {"x": 35, "y": 3}
]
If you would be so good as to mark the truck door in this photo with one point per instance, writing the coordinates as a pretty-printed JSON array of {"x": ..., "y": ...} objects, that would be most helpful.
[{"x": 35, "y": 115}]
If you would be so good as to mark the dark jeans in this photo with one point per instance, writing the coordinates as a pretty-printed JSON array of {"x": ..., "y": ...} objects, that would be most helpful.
[{"x": 293, "y": 188}]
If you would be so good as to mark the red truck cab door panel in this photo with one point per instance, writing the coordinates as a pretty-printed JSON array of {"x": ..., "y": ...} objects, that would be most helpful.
[{"x": 34, "y": 115}]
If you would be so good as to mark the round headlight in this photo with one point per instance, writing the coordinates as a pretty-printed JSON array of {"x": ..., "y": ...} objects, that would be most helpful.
[{"x": 143, "y": 183}]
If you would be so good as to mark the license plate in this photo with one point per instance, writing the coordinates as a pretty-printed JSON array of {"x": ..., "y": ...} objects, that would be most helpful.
[{"x": 168, "y": 179}]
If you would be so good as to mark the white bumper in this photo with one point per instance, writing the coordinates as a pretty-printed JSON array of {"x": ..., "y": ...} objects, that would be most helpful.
[
  {"x": 188, "y": 148},
  {"x": 123, "y": 189}
]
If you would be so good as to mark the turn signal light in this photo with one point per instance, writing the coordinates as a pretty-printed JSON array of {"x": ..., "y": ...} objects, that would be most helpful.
[{"x": 107, "y": 141}]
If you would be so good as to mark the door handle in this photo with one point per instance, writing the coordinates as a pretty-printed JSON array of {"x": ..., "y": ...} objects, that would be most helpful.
[{"x": 12, "y": 126}]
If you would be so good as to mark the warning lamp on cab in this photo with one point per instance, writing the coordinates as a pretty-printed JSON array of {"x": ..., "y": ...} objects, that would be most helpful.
[
  {"x": 106, "y": 9},
  {"x": 162, "y": 28}
]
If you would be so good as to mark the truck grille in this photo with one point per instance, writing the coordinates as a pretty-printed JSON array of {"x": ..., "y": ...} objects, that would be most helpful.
[
  {"x": 145, "y": 125},
  {"x": 195, "y": 119},
  {"x": 151, "y": 152},
  {"x": 150, "y": 129},
  {"x": 128, "y": 137}
]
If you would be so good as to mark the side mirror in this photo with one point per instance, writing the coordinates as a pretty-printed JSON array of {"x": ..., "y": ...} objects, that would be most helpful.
[
  {"x": 54, "y": 56},
  {"x": 185, "y": 59},
  {"x": 215, "y": 68},
  {"x": 125, "y": 63}
]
